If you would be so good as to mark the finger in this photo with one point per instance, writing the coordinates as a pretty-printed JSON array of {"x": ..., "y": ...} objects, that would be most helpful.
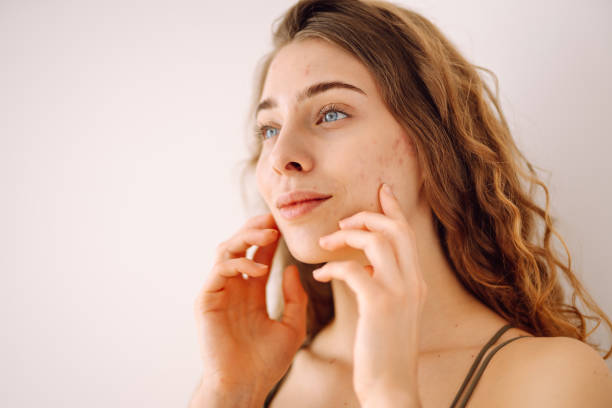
[
  {"x": 408, "y": 250},
  {"x": 391, "y": 218},
  {"x": 225, "y": 270},
  {"x": 399, "y": 236},
  {"x": 228, "y": 249},
  {"x": 256, "y": 290},
  {"x": 265, "y": 253},
  {"x": 237, "y": 245},
  {"x": 261, "y": 221},
  {"x": 257, "y": 287},
  {"x": 390, "y": 205},
  {"x": 296, "y": 301},
  {"x": 377, "y": 249},
  {"x": 353, "y": 274},
  {"x": 369, "y": 221}
]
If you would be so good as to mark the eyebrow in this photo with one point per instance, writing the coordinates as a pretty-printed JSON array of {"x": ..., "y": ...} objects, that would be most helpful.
[{"x": 309, "y": 92}]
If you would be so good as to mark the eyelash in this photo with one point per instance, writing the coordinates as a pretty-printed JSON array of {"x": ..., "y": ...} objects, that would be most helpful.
[{"x": 261, "y": 130}]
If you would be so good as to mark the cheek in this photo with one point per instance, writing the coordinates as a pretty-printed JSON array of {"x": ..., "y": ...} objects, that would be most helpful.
[
  {"x": 400, "y": 154},
  {"x": 384, "y": 164},
  {"x": 372, "y": 171}
]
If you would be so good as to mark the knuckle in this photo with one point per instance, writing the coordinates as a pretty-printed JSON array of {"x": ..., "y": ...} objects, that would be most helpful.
[
  {"x": 215, "y": 269},
  {"x": 378, "y": 239},
  {"x": 381, "y": 240},
  {"x": 398, "y": 228},
  {"x": 197, "y": 304},
  {"x": 401, "y": 226},
  {"x": 221, "y": 247},
  {"x": 352, "y": 265},
  {"x": 220, "y": 267}
]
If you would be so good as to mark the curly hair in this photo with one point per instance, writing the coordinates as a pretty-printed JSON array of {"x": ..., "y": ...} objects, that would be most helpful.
[{"x": 479, "y": 185}]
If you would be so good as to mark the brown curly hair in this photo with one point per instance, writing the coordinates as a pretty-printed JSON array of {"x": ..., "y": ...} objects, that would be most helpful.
[{"x": 486, "y": 219}]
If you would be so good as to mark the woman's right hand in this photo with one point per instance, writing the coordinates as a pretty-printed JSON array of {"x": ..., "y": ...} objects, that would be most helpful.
[{"x": 242, "y": 349}]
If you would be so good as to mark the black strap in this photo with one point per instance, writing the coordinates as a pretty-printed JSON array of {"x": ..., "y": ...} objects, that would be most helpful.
[
  {"x": 486, "y": 347},
  {"x": 481, "y": 370}
]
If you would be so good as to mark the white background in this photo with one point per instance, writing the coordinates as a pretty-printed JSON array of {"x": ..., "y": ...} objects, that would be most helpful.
[{"x": 121, "y": 124}]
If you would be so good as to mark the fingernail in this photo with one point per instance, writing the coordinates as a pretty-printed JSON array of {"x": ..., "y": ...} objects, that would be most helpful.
[{"x": 387, "y": 189}]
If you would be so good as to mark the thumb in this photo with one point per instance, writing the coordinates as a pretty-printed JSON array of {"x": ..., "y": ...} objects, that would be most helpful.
[{"x": 296, "y": 301}]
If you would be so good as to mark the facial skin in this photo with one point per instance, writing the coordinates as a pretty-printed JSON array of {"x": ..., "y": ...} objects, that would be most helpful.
[
  {"x": 347, "y": 155},
  {"x": 349, "y": 158}
]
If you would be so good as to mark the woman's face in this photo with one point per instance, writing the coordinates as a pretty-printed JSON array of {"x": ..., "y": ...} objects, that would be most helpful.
[{"x": 345, "y": 153}]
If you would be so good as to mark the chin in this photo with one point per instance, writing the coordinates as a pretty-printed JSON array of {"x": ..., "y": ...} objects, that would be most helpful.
[
  {"x": 306, "y": 251},
  {"x": 309, "y": 251}
]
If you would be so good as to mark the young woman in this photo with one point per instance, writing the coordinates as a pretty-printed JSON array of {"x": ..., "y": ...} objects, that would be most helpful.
[{"x": 398, "y": 296}]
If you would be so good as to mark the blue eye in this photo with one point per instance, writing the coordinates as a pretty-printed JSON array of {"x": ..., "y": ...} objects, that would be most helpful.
[
  {"x": 331, "y": 115},
  {"x": 265, "y": 130},
  {"x": 262, "y": 132},
  {"x": 329, "y": 112}
]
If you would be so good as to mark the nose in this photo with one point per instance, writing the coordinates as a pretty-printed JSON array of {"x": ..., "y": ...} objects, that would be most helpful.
[{"x": 290, "y": 153}]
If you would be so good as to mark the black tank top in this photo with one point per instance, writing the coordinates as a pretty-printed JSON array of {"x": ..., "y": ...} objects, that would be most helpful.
[{"x": 470, "y": 389}]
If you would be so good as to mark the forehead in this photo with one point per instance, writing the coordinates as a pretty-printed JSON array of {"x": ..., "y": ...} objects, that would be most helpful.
[{"x": 301, "y": 63}]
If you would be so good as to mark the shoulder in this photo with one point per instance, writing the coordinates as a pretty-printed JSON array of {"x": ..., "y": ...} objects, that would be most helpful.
[{"x": 549, "y": 371}]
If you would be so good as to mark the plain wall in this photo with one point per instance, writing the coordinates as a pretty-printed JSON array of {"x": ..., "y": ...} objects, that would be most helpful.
[{"x": 121, "y": 124}]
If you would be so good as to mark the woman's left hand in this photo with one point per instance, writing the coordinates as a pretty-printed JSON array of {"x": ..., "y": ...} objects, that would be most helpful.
[{"x": 390, "y": 295}]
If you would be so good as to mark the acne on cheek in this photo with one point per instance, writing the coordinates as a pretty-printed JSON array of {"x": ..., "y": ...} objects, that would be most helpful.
[
  {"x": 394, "y": 156},
  {"x": 387, "y": 162},
  {"x": 396, "y": 143},
  {"x": 401, "y": 150},
  {"x": 402, "y": 147},
  {"x": 393, "y": 159}
]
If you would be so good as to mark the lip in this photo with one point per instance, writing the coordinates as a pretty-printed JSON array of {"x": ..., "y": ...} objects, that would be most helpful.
[
  {"x": 297, "y": 203},
  {"x": 300, "y": 208},
  {"x": 296, "y": 196}
]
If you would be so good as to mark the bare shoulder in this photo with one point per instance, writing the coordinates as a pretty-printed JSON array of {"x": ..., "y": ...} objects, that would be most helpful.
[{"x": 547, "y": 371}]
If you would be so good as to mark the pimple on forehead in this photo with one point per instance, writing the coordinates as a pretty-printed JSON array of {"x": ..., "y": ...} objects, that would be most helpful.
[{"x": 307, "y": 70}]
